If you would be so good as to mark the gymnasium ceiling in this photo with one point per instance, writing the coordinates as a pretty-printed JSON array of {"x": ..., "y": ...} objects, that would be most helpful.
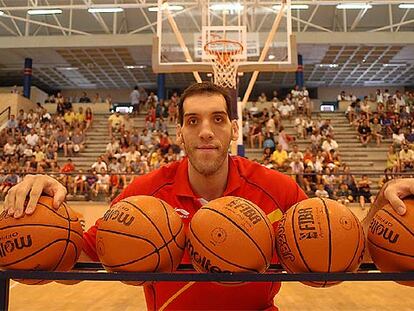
[{"x": 104, "y": 66}]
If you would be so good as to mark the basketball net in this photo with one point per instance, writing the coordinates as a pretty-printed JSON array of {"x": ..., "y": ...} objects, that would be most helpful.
[{"x": 225, "y": 61}]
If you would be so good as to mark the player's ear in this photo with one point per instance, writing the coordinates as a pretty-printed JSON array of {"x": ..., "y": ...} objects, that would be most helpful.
[
  {"x": 234, "y": 130},
  {"x": 179, "y": 135}
]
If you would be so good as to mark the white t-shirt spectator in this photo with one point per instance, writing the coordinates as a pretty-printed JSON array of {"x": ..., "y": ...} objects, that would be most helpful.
[
  {"x": 328, "y": 146},
  {"x": 98, "y": 166},
  {"x": 284, "y": 110},
  {"x": 32, "y": 140},
  {"x": 398, "y": 138}
]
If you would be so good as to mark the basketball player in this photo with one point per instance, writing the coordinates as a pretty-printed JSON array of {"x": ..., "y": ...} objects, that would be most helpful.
[{"x": 205, "y": 131}]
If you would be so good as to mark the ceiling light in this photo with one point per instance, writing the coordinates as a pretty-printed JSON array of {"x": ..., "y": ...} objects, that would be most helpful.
[
  {"x": 354, "y": 6},
  {"x": 406, "y": 6},
  {"x": 328, "y": 65},
  {"x": 226, "y": 7},
  {"x": 135, "y": 67},
  {"x": 394, "y": 65},
  {"x": 105, "y": 10},
  {"x": 169, "y": 7},
  {"x": 67, "y": 68},
  {"x": 44, "y": 12},
  {"x": 1, "y": 13},
  {"x": 292, "y": 7},
  {"x": 271, "y": 56}
]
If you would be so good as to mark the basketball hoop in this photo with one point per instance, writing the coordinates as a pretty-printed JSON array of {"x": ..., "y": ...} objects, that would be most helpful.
[{"x": 225, "y": 61}]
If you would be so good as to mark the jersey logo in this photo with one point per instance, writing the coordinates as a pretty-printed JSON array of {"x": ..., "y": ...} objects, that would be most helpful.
[{"x": 182, "y": 212}]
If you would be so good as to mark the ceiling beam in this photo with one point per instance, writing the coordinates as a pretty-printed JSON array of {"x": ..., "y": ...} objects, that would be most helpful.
[{"x": 358, "y": 18}]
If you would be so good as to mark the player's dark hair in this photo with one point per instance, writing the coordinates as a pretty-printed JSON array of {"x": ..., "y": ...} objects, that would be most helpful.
[{"x": 208, "y": 88}]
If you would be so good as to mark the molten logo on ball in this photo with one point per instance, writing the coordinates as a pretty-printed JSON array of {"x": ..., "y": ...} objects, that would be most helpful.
[
  {"x": 121, "y": 217},
  {"x": 377, "y": 227},
  {"x": 9, "y": 246},
  {"x": 202, "y": 262}
]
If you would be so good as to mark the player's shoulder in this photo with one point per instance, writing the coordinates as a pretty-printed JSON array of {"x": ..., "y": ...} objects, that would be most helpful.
[
  {"x": 152, "y": 182},
  {"x": 256, "y": 173}
]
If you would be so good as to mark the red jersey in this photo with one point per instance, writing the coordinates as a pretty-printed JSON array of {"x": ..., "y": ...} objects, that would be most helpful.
[{"x": 272, "y": 191}]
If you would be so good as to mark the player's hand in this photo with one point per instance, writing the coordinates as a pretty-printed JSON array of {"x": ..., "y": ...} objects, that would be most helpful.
[
  {"x": 34, "y": 186},
  {"x": 396, "y": 190}
]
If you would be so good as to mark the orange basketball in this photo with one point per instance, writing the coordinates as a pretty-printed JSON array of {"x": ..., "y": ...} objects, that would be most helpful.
[
  {"x": 230, "y": 234},
  {"x": 140, "y": 234},
  {"x": 319, "y": 235},
  {"x": 391, "y": 240},
  {"x": 48, "y": 240}
]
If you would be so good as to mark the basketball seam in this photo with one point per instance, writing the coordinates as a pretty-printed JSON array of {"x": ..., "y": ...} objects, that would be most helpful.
[
  {"x": 267, "y": 221},
  {"x": 210, "y": 251},
  {"x": 389, "y": 250},
  {"x": 402, "y": 224},
  {"x": 56, "y": 213},
  {"x": 156, "y": 249},
  {"x": 296, "y": 241},
  {"x": 34, "y": 253},
  {"x": 242, "y": 230},
  {"x": 357, "y": 246},
  {"x": 171, "y": 232},
  {"x": 153, "y": 224},
  {"x": 39, "y": 225},
  {"x": 330, "y": 238},
  {"x": 67, "y": 238}
]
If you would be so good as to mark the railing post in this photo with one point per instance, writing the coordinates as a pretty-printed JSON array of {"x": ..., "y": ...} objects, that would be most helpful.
[{"x": 4, "y": 293}]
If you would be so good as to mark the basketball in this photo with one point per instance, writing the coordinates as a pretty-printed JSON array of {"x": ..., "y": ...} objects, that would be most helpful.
[
  {"x": 230, "y": 234},
  {"x": 319, "y": 235},
  {"x": 49, "y": 239},
  {"x": 391, "y": 240},
  {"x": 140, "y": 234}
]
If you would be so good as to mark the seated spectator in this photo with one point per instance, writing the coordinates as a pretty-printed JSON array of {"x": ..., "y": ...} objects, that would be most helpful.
[
  {"x": 388, "y": 175},
  {"x": 127, "y": 125},
  {"x": 62, "y": 141},
  {"x": 32, "y": 138},
  {"x": 69, "y": 117},
  {"x": 297, "y": 169},
  {"x": 364, "y": 189},
  {"x": 275, "y": 98},
  {"x": 150, "y": 118},
  {"x": 10, "y": 148},
  {"x": 99, "y": 164},
  {"x": 350, "y": 113},
  {"x": 9, "y": 181},
  {"x": 329, "y": 144},
  {"x": 284, "y": 139},
  {"x": 285, "y": 110},
  {"x": 88, "y": 117},
  {"x": 280, "y": 158},
  {"x": 295, "y": 154},
  {"x": 84, "y": 98},
  {"x": 12, "y": 124},
  {"x": 327, "y": 129},
  {"x": 299, "y": 125},
  {"x": 67, "y": 169},
  {"x": 398, "y": 138},
  {"x": 269, "y": 141},
  {"x": 309, "y": 180},
  {"x": 97, "y": 99},
  {"x": 102, "y": 184},
  {"x": 376, "y": 131},
  {"x": 343, "y": 194},
  {"x": 254, "y": 110},
  {"x": 330, "y": 181},
  {"x": 393, "y": 160},
  {"x": 79, "y": 183},
  {"x": 365, "y": 107},
  {"x": 77, "y": 141},
  {"x": 364, "y": 133},
  {"x": 262, "y": 98},
  {"x": 40, "y": 157},
  {"x": 267, "y": 155},
  {"x": 256, "y": 134},
  {"x": 80, "y": 117},
  {"x": 308, "y": 158},
  {"x": 406, "y": 156},
  {"x": 51, "y": 157},
  {"x": 409, "y": 138},
  {"x": 115, "y": 123},
  {"x": 321, "y": 192},
  {"x": 342, "y": 96}
]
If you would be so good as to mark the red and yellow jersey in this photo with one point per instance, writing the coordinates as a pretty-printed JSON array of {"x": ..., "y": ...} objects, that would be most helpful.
[{"x": 272, "y": 191}]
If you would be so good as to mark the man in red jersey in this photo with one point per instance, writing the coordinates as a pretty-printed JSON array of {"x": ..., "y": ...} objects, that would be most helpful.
[{"x": 205, "y": 131}]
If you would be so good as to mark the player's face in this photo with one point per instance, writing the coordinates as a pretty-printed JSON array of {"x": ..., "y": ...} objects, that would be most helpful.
[{"x": 206, "y": 132}]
